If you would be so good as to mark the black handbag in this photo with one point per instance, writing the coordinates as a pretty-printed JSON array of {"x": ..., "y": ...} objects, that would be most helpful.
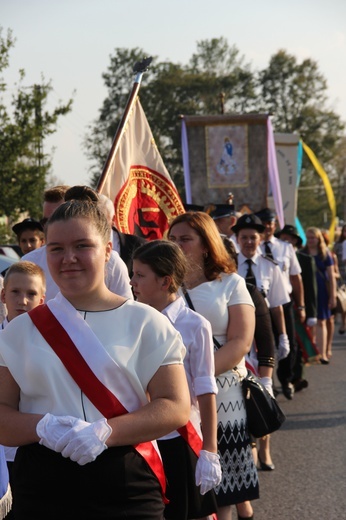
[{"x": 264, "y": 415}]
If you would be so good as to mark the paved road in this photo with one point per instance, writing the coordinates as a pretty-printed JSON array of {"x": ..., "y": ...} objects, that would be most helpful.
[{"x": 309, "y": 451}]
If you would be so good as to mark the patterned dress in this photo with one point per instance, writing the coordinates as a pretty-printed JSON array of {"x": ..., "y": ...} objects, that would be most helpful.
[{"x": 239, "y": 474}]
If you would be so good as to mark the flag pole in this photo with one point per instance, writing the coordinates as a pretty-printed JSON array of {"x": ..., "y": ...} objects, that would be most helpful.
[{"x": 139, "y": 68}]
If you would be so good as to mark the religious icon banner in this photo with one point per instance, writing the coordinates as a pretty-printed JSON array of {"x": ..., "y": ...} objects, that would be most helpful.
[
  {"x": 223, "y": 154},
  {"x": 227, "y": 155}
]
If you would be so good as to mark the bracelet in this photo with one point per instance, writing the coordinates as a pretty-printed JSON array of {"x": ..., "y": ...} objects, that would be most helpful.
[{"x": 301, "y": 308}]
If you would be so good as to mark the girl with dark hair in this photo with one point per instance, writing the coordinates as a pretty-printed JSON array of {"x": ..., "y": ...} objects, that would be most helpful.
[{"x": 191, "y": 464}]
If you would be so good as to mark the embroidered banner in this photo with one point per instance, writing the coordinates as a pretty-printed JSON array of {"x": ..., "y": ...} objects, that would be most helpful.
[
  {"x": 226, "y": 153},
  {"x": 145, "y": 197}
]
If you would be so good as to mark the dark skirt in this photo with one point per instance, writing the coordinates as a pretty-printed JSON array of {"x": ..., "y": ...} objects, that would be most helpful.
[
  {"x": 118, "y": 485},
  {"x": 185, "y": 499}
]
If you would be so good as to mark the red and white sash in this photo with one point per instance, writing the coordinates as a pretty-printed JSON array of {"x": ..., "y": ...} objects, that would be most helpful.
[
  {"x": 191, "y": 432},
  {"x": 79, "y": 349},
  {"x": 251, "y": 361}
]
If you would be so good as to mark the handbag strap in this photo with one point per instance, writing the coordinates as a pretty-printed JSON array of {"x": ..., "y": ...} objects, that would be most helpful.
[{"x": 190, "y": 304}]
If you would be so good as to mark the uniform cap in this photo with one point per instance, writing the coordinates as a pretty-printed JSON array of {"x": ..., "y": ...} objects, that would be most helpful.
[
  {"x": 27, "y": 223},
  {"x": 193, "y": 207},
  {"x": 266, "y": 215},
  {"x": 248, "y": 222},
  {"x": 288, "y": 229},
  {"x": 220, "y": 210}
]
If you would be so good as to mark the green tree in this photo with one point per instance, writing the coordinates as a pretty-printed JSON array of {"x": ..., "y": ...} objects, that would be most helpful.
[
  {"x": 296, "y": 96},
  {"x": 169, "y": 90},
  {"x": 294, "y": 93},
  {"x": 24, "y": 126},
  {"x": 118, "y": 80}
]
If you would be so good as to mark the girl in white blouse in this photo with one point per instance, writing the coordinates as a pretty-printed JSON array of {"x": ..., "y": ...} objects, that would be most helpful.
[{"x": 191, "y": 463}]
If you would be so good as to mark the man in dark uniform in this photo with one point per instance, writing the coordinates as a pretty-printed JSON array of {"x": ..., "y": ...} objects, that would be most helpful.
[
  {"x": 284, "y": 254},
  {"x": 123, "y": 243},
  {"x": 126, "y": 244},
  {"x": 225, "y": 217},
  {"x": 264, "y": 273},
  {"x": 308, "y": 266}
]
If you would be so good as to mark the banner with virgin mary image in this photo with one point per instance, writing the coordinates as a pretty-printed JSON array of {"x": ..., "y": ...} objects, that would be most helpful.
[{"x": 223, "y": 154}]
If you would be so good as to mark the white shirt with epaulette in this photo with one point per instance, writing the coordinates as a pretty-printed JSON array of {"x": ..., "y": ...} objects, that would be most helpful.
[
  {"x": 269, "y": 279},
  {"x": 284, "y": 254}
]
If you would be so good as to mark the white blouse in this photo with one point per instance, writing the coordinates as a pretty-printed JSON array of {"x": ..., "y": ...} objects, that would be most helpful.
[
  {"x": 139, "y": 338},
  {"x": 212, "y": 300},
  {"x": 197, "y": 337}
]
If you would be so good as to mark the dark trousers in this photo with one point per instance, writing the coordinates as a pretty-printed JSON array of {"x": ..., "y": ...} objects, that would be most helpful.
[
  {"x": 298, "y": 366},
  {"x": 285, "y": 369}
]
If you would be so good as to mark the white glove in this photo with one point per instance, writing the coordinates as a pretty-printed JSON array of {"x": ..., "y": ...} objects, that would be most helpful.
[
  {"x": 311, "y": 322},
  {"x": 267, "y": 382},
  {"x": 52, "y": 427},
  {"x": 85, "y": 441},
  {"x": 284, "y": 347},
  {"x": 208, "y": 471}
]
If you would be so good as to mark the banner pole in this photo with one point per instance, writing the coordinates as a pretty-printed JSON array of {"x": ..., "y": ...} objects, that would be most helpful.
[{"x": 139, "y": 69}]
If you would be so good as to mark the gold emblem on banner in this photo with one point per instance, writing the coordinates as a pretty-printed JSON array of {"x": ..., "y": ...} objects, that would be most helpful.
[{"x": 146, "y": 204}]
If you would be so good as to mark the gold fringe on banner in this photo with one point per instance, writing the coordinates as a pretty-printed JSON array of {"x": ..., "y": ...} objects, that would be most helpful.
[{"x": 6, "y": 503}]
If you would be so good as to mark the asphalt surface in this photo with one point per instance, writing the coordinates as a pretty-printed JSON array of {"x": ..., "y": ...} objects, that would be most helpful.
[{"x": 309, "y": 451}]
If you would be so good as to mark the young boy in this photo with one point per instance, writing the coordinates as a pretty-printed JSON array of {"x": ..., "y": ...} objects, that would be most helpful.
[
  {"x": 24, "y": 287},
  {"x": 30, "y": 234}
]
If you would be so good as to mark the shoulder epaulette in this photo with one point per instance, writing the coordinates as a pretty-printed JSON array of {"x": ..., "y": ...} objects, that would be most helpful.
[{"x": 270, "y": 259}]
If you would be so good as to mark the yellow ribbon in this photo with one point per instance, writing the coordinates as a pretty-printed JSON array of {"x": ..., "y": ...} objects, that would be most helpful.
[{"x": 327, "y": 187}]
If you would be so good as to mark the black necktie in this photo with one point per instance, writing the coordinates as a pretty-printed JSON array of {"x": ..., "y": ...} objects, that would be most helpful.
[
  {"x": 250, "y": 277},
  {"x": 268, "y": 251}
]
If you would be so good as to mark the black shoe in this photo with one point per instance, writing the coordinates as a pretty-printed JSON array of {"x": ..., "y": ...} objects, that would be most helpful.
[
  {"x": 288, "y": 391},
  {"x": 300, "y": 384},
  {"x": 324, "y": 361},
  {"x": 341, "y": 331},
  {"x": 265, "y": 467}
]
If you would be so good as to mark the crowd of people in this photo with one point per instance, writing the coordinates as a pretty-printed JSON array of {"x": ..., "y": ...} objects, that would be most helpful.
[{"x": 122, "y": 359}]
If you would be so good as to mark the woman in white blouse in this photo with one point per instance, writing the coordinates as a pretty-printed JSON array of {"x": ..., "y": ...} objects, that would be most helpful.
[{"x": 220, "y": 295}]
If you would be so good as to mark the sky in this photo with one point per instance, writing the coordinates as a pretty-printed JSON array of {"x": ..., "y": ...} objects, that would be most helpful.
[{"x": 69, "y": 43}]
